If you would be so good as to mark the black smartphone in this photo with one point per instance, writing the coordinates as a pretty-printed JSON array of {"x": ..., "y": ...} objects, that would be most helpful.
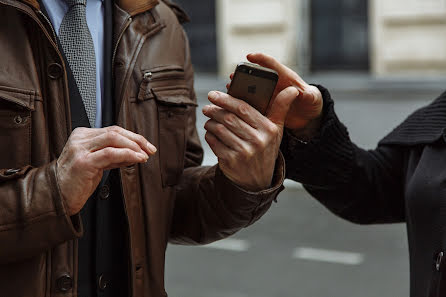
[{"x": 254, "y": 84}]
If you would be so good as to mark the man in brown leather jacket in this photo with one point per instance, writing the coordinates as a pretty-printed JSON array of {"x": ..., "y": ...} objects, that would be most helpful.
[{"x": 49, "y": 170}]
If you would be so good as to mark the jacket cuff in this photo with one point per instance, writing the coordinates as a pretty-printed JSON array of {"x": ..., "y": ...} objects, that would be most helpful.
[
  {"x": 324, "y": 160},
  {"x": 255, "y": 202},
  {"x": 71, "y": 226}
]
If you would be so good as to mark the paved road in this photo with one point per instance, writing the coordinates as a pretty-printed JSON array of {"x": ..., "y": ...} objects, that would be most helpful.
[{"x": 280, "y": 255}]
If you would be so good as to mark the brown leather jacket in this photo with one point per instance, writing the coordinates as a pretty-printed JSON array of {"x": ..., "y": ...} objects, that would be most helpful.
[{"x": 171, "y": 198}]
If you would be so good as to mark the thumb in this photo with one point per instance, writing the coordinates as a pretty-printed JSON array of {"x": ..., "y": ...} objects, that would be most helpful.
[{"x": 279, "y": 108}]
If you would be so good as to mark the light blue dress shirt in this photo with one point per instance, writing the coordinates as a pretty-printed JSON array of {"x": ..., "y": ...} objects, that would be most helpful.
[{"x": 95, "y": 20}]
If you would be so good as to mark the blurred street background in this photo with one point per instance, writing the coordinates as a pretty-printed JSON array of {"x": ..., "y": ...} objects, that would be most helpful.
[{"x": 380, "y": 64}]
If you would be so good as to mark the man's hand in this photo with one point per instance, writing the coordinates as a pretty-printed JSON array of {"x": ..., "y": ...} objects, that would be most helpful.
[
  {"x": 88, "y": 153},
  {"x": 245, "y": 142},
  {"x": 304, "y": 115}
]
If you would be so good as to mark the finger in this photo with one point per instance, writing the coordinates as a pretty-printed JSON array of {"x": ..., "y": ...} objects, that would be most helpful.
[
  {"x": 227, "y": 86},
  {"x": 281, "y": 105},
  {"x": 267, "y": 61},
  {"x": 220, "y": 149},
  {"x": 231, "y": 121},
  {"x": 239, "y": 107},
  {"x": 113, "y": 139},
  {"x": 231, "y": 76},
  {"x": 145, "y": 145},
  {"x": 108, "y": 156},
  {"x": 285, "y": 74},
  {"x": 225, "y": 136}
]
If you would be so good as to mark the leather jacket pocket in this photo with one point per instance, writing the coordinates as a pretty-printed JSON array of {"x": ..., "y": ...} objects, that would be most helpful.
[
  {"x": 16, "y": 108},
  {"x": 174, "y": 108},
  {"x": 166, "y": 86}
]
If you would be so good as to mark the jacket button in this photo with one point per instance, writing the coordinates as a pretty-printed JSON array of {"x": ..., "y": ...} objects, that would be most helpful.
[
  {"x": 18, "y": 120},
  {"x": 104, "y": 192},
  {"x": 11, "y": 171},
  {"x": 102, "y": 283},
  {"x": 439, "y": 261},
  {"x": 55, "y": 70},
  {"x": 64, "y": 283}
]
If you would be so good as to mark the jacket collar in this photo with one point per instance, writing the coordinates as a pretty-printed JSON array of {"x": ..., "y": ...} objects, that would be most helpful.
[
  {"x": 132, "y": 7},
  {"x": 424, "y": 126}
]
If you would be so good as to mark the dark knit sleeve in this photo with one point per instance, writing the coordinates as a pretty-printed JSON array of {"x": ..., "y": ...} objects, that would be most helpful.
[
  {"x": 326, "y": 159},
  {"x": 362, "y": 186}
]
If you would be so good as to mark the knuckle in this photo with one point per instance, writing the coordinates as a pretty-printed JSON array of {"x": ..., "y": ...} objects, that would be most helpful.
[
  {"x": 272, "y": 129},
  {"x": 263, "y": 143},
  {"x": 243, "y": 109},
  {"x": 129, "y": 155},
  {"x": 249, "y": 153},
  {"x": 108, "y": 153},
  {"x": 258, "y": 140},
  {"x": 229, "y": 118},
  {"x": 114, "y": 128},
  {"x": 220, "y": 128},
  {"x": 78, "y": 132}
]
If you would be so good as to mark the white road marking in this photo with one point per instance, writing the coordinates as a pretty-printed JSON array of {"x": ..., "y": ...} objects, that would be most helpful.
[
  {"x": 320, "y": 255},
  {"x": 234, "y": 245}
]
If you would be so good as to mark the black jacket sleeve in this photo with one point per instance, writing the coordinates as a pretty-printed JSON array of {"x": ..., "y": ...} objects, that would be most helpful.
[{"x": 364, "y": 187}]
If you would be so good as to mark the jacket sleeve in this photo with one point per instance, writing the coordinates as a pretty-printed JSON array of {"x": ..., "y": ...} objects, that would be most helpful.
[
  {"x": 208, "y": 205},
  {"x": 362, "y": 186},
  {"x": 32, "y": 215}
]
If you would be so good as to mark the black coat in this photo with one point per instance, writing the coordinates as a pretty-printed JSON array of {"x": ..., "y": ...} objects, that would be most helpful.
[{"x": 402, "y": 180}]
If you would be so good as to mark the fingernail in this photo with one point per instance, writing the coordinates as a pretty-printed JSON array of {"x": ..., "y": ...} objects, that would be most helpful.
[
  {"x": 144, "y": 154},
  {"x": 212, "y": 95},
  {"x": 151, "y": 148},
  {"x": 142, "y": 157}
]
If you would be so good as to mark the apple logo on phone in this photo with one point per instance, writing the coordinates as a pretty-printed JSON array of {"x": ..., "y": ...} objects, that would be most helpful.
[{"x": 252, "y": 89}]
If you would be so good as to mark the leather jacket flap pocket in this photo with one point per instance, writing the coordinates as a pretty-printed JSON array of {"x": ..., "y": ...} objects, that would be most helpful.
[
  {"x": 178, "y": 96},
  {"x": 174, "y": 110},
  {"x": 19, "y": 98},
  {"x": 16, "y": 108},
  {"x": 167, "y": 79}
]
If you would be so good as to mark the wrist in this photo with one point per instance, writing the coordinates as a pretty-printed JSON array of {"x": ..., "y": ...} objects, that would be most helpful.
[{"x": 309, "y": 131}]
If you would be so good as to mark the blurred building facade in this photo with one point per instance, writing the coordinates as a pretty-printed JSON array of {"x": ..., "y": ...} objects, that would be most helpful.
[
  {"x": 382, "y": 37},
  {"x": 409, "y": 36}
]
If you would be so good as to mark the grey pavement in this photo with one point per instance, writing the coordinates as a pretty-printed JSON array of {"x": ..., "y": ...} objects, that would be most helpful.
[{"x": 261, "y": 261}]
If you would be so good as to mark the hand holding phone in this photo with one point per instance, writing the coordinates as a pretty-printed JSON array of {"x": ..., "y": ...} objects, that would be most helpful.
[{"x": 254, "y": 84}]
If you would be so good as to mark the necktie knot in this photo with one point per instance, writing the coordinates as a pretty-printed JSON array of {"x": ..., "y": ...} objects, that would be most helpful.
[{"x": 71, "y": 3}]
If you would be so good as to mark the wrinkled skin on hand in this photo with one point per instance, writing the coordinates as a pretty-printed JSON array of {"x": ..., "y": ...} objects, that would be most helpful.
[
  {"x": 88, "y": 153},
  {"x": 246, "y": 142}
]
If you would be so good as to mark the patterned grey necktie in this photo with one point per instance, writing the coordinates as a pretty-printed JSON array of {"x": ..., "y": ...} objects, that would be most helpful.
[{"x": 78, "y": 47}]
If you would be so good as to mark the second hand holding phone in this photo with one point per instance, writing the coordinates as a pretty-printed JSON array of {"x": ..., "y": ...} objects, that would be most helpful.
[{"x": 254, "y": 84}]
